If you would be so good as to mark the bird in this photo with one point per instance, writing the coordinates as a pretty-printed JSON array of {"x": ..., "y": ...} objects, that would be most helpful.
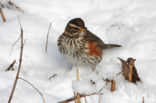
[{"x": 80, "y": 46}]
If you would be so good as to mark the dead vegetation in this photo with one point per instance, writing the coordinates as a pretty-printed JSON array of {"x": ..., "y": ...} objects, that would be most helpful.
[
  {"x": 113, "y": 83},
  {"x": 10, "y": 4},
  {"x": 53, "y": 76},
  {"x": 46, "y": 47},
  {"x": 81, "y": 95},
  {"x": 11, "y": 66},
  {"x": 33, "y": 87},
  {"x": 2, "y": 14},
  {"x": 19, "y": 68},
  {"x": 129, "y": 70},
  {"x": 15, "y": 6},
  {"x": 143, "y": 101}
]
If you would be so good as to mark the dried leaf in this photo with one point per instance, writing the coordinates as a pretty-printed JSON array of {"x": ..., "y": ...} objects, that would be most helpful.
[{"x": 129, "y": 70}]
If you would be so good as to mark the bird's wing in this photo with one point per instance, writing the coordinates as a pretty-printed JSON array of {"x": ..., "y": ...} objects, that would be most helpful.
[{"x": 90, "y": 37}]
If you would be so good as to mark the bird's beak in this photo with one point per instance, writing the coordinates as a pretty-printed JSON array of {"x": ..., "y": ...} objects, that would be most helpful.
[{"x": 82, "y": 29}]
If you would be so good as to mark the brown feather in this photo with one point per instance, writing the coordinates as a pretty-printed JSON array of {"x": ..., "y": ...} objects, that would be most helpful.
[{"x": 90, "y": 37}]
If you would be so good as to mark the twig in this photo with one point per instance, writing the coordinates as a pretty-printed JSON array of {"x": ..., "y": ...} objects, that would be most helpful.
[
  {"x": 143, "y": 100},
  {"x": 81, "y": 95},
  {"x": 75, "y": 98},
  {"x": 118, "y": 73},
  {"x": 11, "y": 66},
  {"x": 53, "y": 76},
  {"x": 2, "y": 15},
  {"x": 12, "y": 47},
  {"x": 33, "y": 87},
  {"x": 14, "y": 5},
  {"x": 20, "y": 63},
  {"x": 46, "y": 48},
  {"x": 103, "y": 87},
  {"x": 113, "y": 83}
]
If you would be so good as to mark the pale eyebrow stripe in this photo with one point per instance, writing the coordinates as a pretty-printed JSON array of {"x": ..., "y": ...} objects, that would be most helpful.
[{"x": 72, "y": 25}]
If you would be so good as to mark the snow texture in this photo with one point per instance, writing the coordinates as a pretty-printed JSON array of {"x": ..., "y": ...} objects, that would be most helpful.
[{"x": 130, "y": 23}]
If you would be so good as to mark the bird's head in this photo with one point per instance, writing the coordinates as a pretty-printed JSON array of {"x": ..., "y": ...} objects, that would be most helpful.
[{"x": 75, "y": 26}]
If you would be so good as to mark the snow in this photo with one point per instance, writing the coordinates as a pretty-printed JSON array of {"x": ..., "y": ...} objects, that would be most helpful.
[{"x": 130, "y": 23}]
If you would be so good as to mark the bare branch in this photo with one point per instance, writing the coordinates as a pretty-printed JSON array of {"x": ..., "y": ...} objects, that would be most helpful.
[
  {"x": 81, "y": 95},
  {"x": 2, "y": 15},
  {"x": 12, "y": 47},
  {"x": 46, "y": 48},
  {"x": 103, "y": 87},
  {"x": 19, "y": 67},
  {"x": 33, "y": 87},
  {"x": 11, "y": 66}
]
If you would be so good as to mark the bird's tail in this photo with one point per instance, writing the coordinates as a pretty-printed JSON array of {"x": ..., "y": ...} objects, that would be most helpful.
[{"x": 106, "y": 46}]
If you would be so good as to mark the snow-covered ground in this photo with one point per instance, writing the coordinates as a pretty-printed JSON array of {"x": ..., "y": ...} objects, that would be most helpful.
[{"x": 130, "y": 23}]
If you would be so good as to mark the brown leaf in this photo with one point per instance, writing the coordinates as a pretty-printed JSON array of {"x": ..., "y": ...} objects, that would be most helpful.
[{"x": 129, "y": 70}]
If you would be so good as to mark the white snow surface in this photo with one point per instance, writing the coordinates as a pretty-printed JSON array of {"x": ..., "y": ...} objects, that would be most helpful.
[{"x": 130, "y": 23}]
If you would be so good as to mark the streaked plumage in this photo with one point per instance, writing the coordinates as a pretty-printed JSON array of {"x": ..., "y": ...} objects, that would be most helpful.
[{"x": 79, "y": 46}]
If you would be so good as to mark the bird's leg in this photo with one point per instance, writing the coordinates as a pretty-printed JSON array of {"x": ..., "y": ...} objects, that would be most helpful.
[
  {"x": 77, "y": 77},
  {"x": 93, "y": 67},
  {"x": 77, "y": 73}
]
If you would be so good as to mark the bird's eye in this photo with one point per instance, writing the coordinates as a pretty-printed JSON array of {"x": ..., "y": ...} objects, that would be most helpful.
[{"x": 75, "y": 29}]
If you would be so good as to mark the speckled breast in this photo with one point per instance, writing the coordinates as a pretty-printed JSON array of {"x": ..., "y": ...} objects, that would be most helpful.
[{"x": 76, "y": 50}]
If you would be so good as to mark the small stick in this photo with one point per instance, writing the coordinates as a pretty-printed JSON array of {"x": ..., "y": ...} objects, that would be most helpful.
[
  {"x": 118, "y": 73},
  {"x": 14, "y": 5},
  {"x": 113, "y": 85},
  {"x": 103, "y": 86},
  {"x": 81, "y": 95},
  {"x": 12, "y": 47},
  {"x": 143, "y": 100},
  {"x": 11, "y": 66},
  {"x": 2, "y": 15},
  {"x": 20, "y": 63},
  {"x": 53, "y": 76},
  {"x": 33, "y": 87},
  {"x": 75, "y": 97},
  {"x": 46, "y": 48}
]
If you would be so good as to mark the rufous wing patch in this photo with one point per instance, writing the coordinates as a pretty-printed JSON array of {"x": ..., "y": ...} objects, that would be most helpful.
[{"x": 93, "y": 49}]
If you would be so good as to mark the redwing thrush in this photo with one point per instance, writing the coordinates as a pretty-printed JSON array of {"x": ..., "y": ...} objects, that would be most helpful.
[{"x": 79, "y": 46}]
